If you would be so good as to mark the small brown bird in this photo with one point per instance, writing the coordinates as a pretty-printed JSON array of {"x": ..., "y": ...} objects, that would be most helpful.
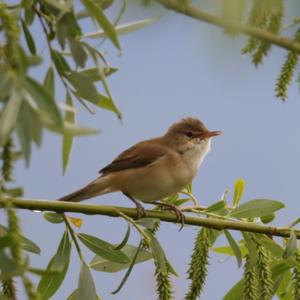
[{"x": 154, "y": 169}]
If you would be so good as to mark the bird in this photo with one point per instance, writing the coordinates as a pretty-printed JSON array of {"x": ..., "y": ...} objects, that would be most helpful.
[{"x": 154, "y": 169}]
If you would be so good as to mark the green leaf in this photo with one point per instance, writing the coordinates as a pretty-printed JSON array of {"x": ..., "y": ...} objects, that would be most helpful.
[
  {"x": 29, "y": 128},
  {"x": 123, "y": 29},
  {"x": 27, "y": 244},
  {"x": 6, "y": 83},
  {"x": 60, "y": 63},
  {"x": 220, "y": 205},
  {"x": 108, "y": 103},
  {"x": 44, "y": 101},
  {"x": 5, "y": 241},
  {"x": 96, "y": 12},
  {"x": 49, "y": 82},
  {"x": 149, "y": 223},
  {"x": 53, "y": 217},
  {"x": 86, "y": 287},
  {"x": 67, "y": 137},
  {"x": 256, "y": 208},
  {"x": 78, "y": 52},
  {"x": 14, "y": 192},
  {"x": 9, "y": 115},
  {"x": 239, "y": 188},
  {"x": 73, "y": 296},
  {"x": 269, "y": 218},
  {"x": 73, "y": 129},
  {"x": 235, "y": 247},
  {"x": 83, "y": 86},
  {"x": 103, "y": 265},
  {"x": 103, "y": 248},
  {"x": 49, "y": 284},
  {"x": 125, "y": 239},
  {"x": 93, "y": 73},
  {"x": 236, "y": 292},
  {"x": 158, "y": 253},
  {"x": 29, "y": 38},
  {"x": 42, "y": 272},
  {"x": 291, "y": 245},
  {"x": 30, "y": 246},
  {"x": 129, "y": 270},
  {"x": 227, "y": 250}
]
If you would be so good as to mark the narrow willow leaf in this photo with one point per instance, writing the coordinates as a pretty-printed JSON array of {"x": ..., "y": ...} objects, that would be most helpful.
[
  {"x": 149, "y": 223},
  {"x": 123, "y": 29},
  {"x": 103, "y": 265},
  {"x": 29, "y": 38},
  {"x": 103, "y": 248},
  {"x": 70, "y": 128},
  {"x": 86, "y": 287},
  {"x": 236, "y": 292},
  {"x": 125, "y": 239},
  {"x": 14, "y": 192},
  {"x": 67, "y": 137},
  {"x": 158, "y": 253},
  {"x": 256, "y": 208},
  {"x": 108, "y": 103},
  {"x": 30, "y": 246},
  {"x": 96, "y": 12},
  {"x": 239, "y": 188},
  {"x": 78, "y": 52},
  {"x": 27, "y": 244},
  {"x": 128, "y": 272},
  {"x": 83, "y": 86},
  {"x": 73, "y": 296},
  {"x": 53, "y": 217},
  {"x": 9, "y": 116},
  {"x": 60, "y": 63},
  {"x": 228, "y": 250},
  {"x": 43, "y": 272},
  {"x": 44, "y": 101},
  {"x": 220, "y": 205},
  {"x": 49, "y": 284},
  {"x": 93, "y": 73},
  {"x": 291, "y": 245},
  {"x": 235, "y": 247},
  {"x": 49, "y": 81}
]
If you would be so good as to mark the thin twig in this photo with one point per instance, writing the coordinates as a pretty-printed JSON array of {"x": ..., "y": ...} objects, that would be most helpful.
[{"x": 196, "y": 13}]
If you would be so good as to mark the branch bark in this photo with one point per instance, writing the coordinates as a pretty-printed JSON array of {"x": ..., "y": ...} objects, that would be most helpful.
[
  {"x": 196, "y": 13},
  {"x": 113, "y": 211}
]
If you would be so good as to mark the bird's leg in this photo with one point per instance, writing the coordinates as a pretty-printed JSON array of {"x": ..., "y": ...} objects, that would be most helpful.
[
  {"x": 179, "y": 214},
  {"x": 139, "y": 208}
]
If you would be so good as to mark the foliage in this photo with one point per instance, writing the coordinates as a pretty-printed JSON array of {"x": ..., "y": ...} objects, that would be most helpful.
[{"x": 29, "y": 107}]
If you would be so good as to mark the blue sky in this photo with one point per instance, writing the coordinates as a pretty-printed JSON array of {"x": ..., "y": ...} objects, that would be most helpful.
[{"x": 175, "y": 68}]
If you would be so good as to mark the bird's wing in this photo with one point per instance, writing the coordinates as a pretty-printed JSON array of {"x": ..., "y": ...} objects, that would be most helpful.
[{"x": 137, "y": 156}]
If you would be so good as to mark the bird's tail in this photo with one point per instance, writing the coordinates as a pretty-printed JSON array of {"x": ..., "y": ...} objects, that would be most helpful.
[{"x": 97, "y": 187}]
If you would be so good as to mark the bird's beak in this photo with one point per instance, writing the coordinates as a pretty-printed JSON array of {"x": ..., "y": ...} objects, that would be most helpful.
[{"x": 209, "y": 134}]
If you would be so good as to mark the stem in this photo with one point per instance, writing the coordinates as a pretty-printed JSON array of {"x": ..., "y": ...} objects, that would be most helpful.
[
  {"x": 196, "y": 13},
  {"x": 73, "y": 236},
  {"x": 136, "y": 226},
  {"x": 114, "y": 211}
]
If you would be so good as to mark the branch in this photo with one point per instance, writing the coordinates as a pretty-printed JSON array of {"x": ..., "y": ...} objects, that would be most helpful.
[
  {"x": 114, "y": 211},
  {"x": 196, "y": 13}
]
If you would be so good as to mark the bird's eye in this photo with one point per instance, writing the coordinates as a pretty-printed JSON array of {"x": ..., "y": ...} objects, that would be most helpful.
[{"x": 189, "y": 134}]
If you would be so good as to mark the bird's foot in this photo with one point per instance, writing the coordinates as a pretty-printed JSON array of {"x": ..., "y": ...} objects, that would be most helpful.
[
  {"x": 140, "y": 210},
  {"x": 180, "y": 217}
]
